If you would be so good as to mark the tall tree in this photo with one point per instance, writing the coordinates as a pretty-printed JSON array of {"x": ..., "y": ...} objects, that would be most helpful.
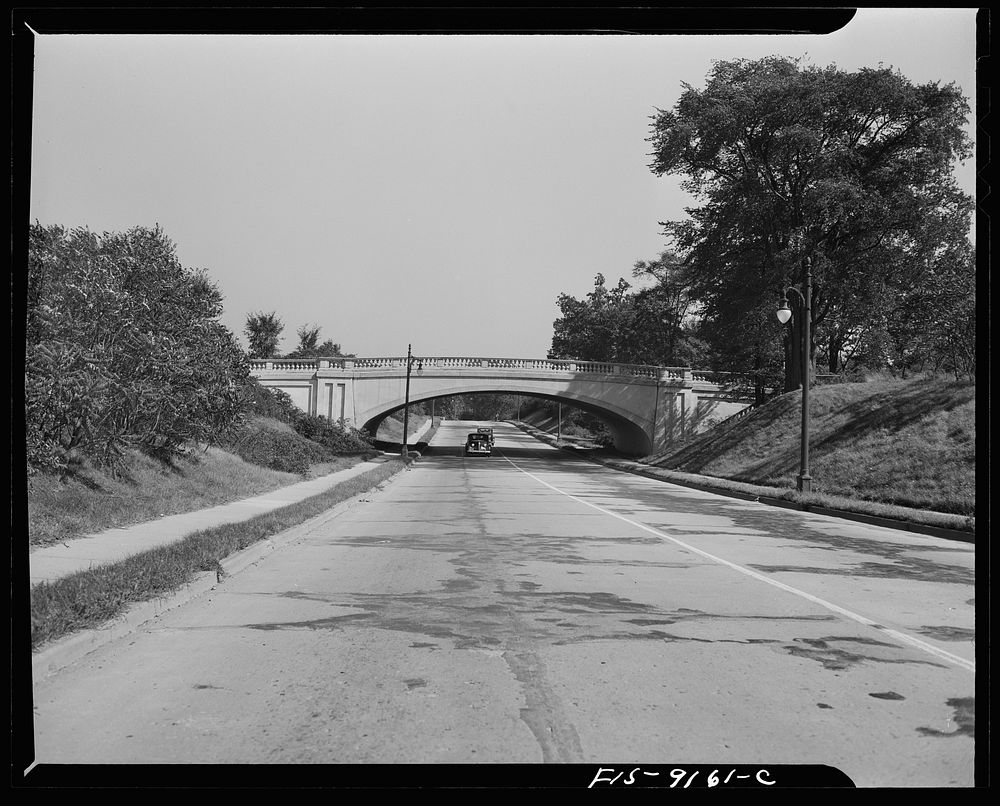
[
  {"x": 308, "y": 339},
  {"x": 667, "y": 317},
  {"x": 329, "y": 348},
  {"x": 850, "y": 173},
  {"x": 263, "y": 331},
  {"x": 310, "y": 347},
  {"x": 653, "y": 325},
  {"x": 593, "y": 329}
]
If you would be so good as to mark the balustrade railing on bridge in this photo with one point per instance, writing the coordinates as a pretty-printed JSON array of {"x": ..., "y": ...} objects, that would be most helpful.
[{"x": 459, "y": 362}]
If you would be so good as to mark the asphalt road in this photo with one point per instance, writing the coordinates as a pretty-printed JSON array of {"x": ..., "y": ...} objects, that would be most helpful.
[{"x": 534, "y": 607}]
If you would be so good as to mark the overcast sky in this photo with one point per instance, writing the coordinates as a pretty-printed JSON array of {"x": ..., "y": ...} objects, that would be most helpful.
[{"x": 434, "y": 190}]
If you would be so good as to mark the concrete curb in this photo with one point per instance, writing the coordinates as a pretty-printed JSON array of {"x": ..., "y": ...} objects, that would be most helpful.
[
  {"x": 872, "y": 520},
  {"x": 64, "y": 651}
]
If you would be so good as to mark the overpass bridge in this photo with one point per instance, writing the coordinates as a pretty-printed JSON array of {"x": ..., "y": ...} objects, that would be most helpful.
[{"x": 646, "y": 408}]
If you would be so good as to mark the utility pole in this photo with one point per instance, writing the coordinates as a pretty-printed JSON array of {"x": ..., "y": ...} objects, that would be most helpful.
[
  {"x": 406, "y": 404},
  {"x": 805, "y": 479},
  {"x": 784, "y": 315}
]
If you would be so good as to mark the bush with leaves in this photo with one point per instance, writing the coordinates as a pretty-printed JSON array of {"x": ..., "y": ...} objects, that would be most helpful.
[
  {"x": 278, "y": 450},
  {"x": 338, "y": 438},
  {"x": 124, "y": 349},
  {"x": 267, "y": 401}
]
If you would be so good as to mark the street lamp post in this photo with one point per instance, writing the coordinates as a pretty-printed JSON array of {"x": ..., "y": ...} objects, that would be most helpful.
[
  {"x": 410, "y": 360},
  {"x": 784, "y": 313}
]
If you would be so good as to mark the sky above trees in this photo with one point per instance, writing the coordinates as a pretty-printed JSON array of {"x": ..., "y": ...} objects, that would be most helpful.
[{"x": 394, "y": 190}]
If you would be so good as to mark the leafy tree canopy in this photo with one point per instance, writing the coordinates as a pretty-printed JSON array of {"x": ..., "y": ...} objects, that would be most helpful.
[
  {"x": 651, "y": 325},
  {"x": 851, "y": 171},
  {"x": 124, "y": 348},
  {"x": 310, "y": 347},
  {"x": 263, "y": 331}
]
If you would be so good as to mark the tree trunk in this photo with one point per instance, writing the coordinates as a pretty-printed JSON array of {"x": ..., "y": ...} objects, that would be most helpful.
[
  {"x": 791, "y": 371},
  {"x": 758, "y": 380},
  {"x": 793, "y": 352},
  {"x": 833, "y": 357}
]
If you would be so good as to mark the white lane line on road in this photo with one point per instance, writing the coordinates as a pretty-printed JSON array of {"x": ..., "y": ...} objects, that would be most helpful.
[{"x": 899, "y": 636}]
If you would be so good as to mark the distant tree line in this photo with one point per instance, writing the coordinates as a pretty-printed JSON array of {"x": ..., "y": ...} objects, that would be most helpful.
[
  {"x": 492, "y": 406},
  {"x": 848, "y": 173}
]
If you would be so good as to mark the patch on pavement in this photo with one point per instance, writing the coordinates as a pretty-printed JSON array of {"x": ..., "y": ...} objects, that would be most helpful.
[
  {"x": 964, "y": 719},
  {"x": 844, "y": 652}
]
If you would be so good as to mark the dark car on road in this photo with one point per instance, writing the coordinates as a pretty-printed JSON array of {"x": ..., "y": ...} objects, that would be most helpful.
[{"x": 478, "y": 445}]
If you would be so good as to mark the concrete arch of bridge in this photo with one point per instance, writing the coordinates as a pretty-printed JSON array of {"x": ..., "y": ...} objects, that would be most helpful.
[
  {"x": 642, "y": 406},
  {"x": 629, "y": 436}
]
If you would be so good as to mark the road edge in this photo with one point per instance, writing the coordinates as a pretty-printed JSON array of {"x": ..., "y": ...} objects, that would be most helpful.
[
  {"x": 62, "y": 652},
  {"x": 638, "y": 469}
]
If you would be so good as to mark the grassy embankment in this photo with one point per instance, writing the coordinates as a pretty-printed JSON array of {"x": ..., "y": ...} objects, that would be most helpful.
[
  {"x": 390, "y": 433},
  {"x": 147, "y": 489},
  {"x": 92, "y": 501},
  {"x": 892, "y": 448}
]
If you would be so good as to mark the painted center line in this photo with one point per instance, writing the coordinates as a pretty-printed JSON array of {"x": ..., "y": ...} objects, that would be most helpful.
[{"x": 899, "y": 636}]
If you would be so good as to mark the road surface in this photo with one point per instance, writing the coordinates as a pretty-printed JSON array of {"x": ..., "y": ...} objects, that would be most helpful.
[{"x": 534, "y": 607}]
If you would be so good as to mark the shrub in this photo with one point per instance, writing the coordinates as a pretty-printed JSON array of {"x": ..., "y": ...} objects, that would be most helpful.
[
  {"x": 123, "y": 349},
  {"x": 603, "y": 438},
  {"x": 276, "y": 449},
  {"x": 266, "y": 401},
  {"x": 337, "y": 438}
]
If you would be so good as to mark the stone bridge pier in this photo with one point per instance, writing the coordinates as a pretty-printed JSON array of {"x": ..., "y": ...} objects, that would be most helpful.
[{"x": 646, "y": 408}]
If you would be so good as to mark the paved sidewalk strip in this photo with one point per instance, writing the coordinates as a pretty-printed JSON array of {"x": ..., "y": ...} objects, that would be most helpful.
[{"x": 53, "y": 562}]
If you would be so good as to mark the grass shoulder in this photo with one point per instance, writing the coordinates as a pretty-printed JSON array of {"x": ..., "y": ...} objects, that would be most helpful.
[{"x": 93, "y": 597}]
